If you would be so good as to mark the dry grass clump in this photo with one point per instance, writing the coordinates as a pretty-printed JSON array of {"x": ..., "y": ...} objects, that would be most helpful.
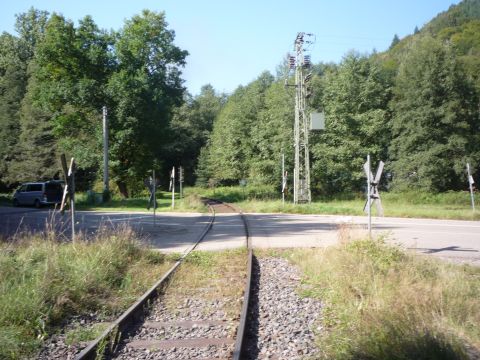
[
  {"x": 43, "y": 282},
  {"x": 384, "y": 303}
]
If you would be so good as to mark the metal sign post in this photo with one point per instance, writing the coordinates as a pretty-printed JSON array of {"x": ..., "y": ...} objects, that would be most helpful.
[
  {"x": 180, "y": 180},
  {"x": 369, "y": 198},
  {"x": 152, "y": 183},
  {"x": 105, "y": 151},
  {"x": 172, "y": 186},
  {"x": 154, "y": 193},
  {"x": 470, "y": 183},
  {"x": 69, "y": 190},
  {"x": 284, "y": 183},
  {"x": 372, "y": 191}
]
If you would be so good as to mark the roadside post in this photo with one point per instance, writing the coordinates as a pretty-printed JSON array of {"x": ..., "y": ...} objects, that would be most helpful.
[
  {"x": 243, "y": 183},
  {"x": 106, "y": 189},
  {"x": 368, "y": 204},
  {"x": 172, "y": 186},
  {"x": 470, "y": 184},
  {"x": 180, "y": 180},
  {"x": 284, "y": 180},
  {"x": 372, "y": 191},
  {"x": 151, "y": 183},
  {"x": 69, "y": 190},
  {"x": 154, "y": 193}
]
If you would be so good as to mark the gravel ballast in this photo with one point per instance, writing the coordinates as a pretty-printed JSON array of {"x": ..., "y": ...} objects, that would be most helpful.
[{"x": 281, "y": 324}]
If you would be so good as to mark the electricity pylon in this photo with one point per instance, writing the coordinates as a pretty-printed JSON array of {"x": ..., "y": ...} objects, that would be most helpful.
[{"x": 301, "y": 177}]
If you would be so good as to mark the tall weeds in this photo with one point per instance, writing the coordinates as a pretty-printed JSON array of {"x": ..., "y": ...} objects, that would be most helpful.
[
  {"x": 384, "y": 303},
  {"x": 43, "y": 282}
]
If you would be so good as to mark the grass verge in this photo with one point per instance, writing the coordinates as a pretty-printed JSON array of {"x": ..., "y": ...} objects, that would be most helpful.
[
  {"x": 449, "y": 205},
  {"x": 384, "y": 303},
  {"x": 190, "y": 202},
  {"x": 43, "y": 283}
]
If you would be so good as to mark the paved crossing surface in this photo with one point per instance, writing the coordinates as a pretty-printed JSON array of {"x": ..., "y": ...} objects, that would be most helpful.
[{"x": 175, "y": 232}]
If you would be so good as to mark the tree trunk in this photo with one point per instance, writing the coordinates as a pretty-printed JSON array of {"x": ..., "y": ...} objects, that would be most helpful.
[{"x": 122, "y": 187}]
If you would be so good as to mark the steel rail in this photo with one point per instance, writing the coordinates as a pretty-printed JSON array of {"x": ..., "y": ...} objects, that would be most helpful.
[
  {"x": 237, "y": 352},
  {"x": 109, "y": 339},
  {"x": 238, "y": 349}
]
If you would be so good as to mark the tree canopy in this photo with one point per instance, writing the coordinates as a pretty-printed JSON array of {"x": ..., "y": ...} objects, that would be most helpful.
[{"x": 414, "y": 106}]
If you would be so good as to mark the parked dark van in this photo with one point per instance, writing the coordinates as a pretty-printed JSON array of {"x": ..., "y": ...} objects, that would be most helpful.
[{"x": 39, "y": 194}]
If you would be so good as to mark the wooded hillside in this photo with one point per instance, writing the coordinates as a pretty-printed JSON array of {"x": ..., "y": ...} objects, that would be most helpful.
[{"x": 415, "y": 106}]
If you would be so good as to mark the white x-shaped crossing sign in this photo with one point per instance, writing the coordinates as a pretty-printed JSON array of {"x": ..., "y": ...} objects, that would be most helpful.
[{"x": 375, "y": 195}]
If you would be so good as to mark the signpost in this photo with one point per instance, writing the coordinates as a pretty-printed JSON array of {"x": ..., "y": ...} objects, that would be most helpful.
[
  {"x": 105, "y": 154},
  {"x": 243, "y": 183},
  {"x": 372, "y": 191},
  {"x": 284, "y": 180},
  {"x": 470, "y": 183},
  {"x": 172, "y": 186},
  {"x": 180, "y": 180},
  {"x": 152, "y": 184},
  {"x": 69, "y": 190}
]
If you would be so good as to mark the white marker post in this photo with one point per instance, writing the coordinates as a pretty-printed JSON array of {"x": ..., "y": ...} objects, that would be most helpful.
[
  {"x": 470, "y": 183},
  {"x": 106, "y": 188},
  {"x": 369, "y": 198},
  {"x": 69, "y": 190},
  {"x": 283, "y": 179},
  {"x": 172, "y": 179},
  {"x": 154, "y": 185}
]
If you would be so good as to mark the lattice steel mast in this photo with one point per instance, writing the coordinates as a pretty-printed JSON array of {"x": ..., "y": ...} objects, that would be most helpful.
[{"x": 301, "y": 178}]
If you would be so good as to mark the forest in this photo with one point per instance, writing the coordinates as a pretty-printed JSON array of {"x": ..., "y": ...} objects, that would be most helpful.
[{"x": 415, "y": 106}]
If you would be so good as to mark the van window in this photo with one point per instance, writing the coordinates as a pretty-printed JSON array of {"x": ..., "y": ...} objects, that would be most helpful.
[{"x": 34, "y": 187}]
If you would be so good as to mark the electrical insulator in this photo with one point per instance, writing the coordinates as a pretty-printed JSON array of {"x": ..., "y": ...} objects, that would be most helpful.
[
  {"x": 291, "y": 61},
  {"x": 306, "y": 61}
]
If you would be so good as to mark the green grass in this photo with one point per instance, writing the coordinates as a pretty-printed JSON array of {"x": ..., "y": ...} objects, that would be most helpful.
[
  {"x": 44, "y": 282},
  {"x": 190, "y": 202},
  {"x": 383, "y": 303},
  {"x": 83, "y": 333},
  {"x": 449, "y": 205},
  {"x": 209, "y": 275}
]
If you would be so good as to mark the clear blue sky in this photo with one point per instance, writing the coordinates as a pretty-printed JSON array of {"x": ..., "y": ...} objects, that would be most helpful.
[{"x": 232, "y": 42}]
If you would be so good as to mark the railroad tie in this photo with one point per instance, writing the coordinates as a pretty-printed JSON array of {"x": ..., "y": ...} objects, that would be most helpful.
[
  {"x": 176, "y": 343},
  {"x": 154, "y": 344}
]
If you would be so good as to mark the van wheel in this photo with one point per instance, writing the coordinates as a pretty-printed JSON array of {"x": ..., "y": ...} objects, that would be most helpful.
[
  {"x": 37, "y": 204},
  {"x": 15, "y": 202}
]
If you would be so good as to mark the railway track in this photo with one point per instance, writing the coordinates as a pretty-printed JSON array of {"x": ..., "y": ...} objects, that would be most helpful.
[{"x": 165, "y": 323}]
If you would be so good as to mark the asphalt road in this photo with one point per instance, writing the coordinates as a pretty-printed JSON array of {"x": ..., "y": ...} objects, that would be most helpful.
[
  {"x": 174, "y": 232},
  {"x": 451, "y": 239}
]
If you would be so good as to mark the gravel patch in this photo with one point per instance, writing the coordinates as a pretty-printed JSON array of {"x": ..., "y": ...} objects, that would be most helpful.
[
  {"x": 281, "y": 324},
  {"x": 196, "y": 309},
  {"x": 196, "y": 317},
  {"x": 56, "y": 346}
]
